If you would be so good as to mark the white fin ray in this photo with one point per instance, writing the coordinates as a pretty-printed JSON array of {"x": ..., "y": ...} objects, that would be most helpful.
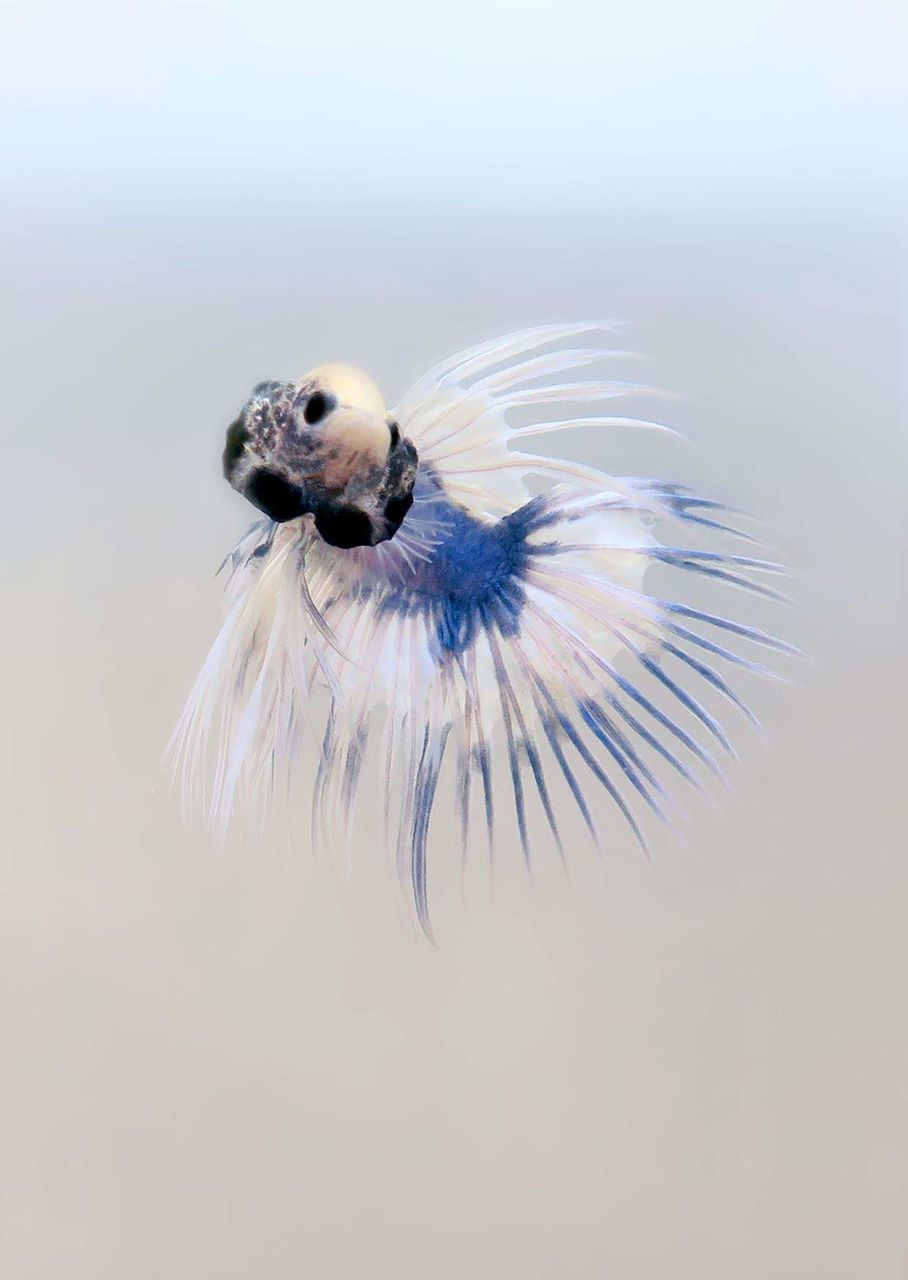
[
  {"x": 458, "y": 419},
  {"x": 472, "y": 362}
]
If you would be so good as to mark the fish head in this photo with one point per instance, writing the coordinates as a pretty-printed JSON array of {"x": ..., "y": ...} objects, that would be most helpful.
[{"x": 323, "y": 445}]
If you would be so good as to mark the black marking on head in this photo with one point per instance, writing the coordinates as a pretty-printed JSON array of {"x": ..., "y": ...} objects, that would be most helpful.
[
  {"x": 237, "y": 436},
  {"x": 317, "y": 406},
  {"x": 400, "y": 472},
  {"x": 394, "y": 497},
  {"x": 344, "y": 527},
  {"x": 396, "y": 508},
  {"x": 274, "y": 495}
]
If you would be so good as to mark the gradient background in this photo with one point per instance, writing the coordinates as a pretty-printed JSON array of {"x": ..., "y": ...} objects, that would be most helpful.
[{"x": 236, "y": 1062}]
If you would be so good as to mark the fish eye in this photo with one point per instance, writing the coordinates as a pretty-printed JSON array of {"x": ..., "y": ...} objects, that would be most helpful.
[{"x": 317, "y": 406}]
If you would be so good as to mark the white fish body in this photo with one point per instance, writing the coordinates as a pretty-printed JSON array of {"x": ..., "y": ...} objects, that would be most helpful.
[{"x": 489, "y": 611}]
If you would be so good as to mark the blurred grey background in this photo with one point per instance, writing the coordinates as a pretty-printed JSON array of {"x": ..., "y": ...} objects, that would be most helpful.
[{"x": 224, "y": 1062}]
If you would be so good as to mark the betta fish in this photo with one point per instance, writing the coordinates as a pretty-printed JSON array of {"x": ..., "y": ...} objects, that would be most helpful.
[{"x": 420, "y": 577}]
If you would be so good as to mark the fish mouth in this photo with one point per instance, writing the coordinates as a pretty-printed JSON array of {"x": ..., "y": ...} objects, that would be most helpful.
[{"x": 275, "y": 495}]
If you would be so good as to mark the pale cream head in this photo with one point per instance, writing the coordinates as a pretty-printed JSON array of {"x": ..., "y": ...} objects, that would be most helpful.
[{"x": 352, "y": 387}]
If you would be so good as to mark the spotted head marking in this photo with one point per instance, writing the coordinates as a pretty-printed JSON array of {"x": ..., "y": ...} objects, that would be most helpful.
[{"x": 324, "y": 446}]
